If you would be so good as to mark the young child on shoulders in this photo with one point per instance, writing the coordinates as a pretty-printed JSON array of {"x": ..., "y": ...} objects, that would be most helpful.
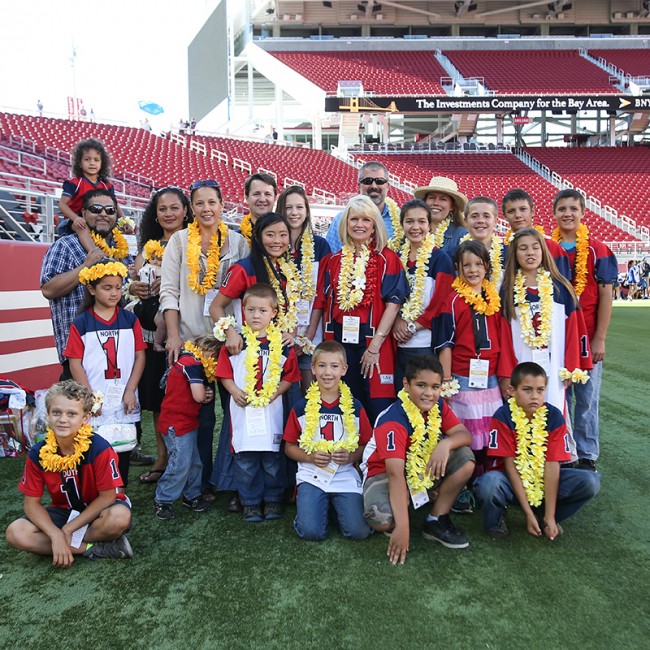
[
  {"x": 79, "y": 469},
  {"x": 547, "y": 492},
  {"x": 91, "y": 168},
  {"x": 594, "y": 271},
  {"x": 185, "y": 391},
  {"x": 256, "y": 378},
  {"x": 326, "y": 434},
  {"x": 417, "y": 444}
]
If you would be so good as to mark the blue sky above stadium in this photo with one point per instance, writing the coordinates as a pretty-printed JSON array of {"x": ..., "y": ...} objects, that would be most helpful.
[{"x": 126, "y": 51}]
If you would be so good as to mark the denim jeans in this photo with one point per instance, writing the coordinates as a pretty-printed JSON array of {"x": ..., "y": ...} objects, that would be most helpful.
[
  {"x": 183, "y": 473},
  {"x": 312, "y": 515},
  {"x": 207, "y": 420},
  {"x": 585, "y": 413},
  {"x": 494, "y": 493},
  {"x": 259, "y": 476}
]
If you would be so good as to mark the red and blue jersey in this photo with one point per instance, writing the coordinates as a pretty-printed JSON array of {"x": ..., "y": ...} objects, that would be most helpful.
[
  {"x": 503, "y": 437},
  {"x": 391, "y": 437},
  {"x": 179, "y": 408},
  {"x": 602, "y": 269},
  {"x": 98, "y": 471},
  {"x": 76, "y": 188}
]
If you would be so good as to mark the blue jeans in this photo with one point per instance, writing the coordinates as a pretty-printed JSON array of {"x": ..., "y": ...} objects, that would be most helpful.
[
  {"x": 494, "y": 493},
  {"x": 183, "y": 473},
  {"x": 312, "y": 515},
  {"x": 259, "y": 476},
  {"x": 585, "y": 413},
  {"x": 207, "y": 420}
]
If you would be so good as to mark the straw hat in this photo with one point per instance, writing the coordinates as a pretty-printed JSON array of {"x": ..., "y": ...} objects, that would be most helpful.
[{"x": 444, "y": 185}]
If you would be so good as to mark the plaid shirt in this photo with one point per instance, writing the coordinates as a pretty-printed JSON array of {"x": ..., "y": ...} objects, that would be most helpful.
[{"x": 65, "y": 255}]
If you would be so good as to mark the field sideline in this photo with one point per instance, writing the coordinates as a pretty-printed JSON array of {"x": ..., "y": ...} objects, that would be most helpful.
[{"x": 211, "y": 581}]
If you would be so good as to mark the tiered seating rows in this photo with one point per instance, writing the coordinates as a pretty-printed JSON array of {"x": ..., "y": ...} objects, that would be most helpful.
[
  {"x": 634, "y": 62},
  {"x": 492, "y": 175}
]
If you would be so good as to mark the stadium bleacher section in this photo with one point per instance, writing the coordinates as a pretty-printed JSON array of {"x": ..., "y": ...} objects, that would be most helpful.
[{"x": 634, "y": 62}]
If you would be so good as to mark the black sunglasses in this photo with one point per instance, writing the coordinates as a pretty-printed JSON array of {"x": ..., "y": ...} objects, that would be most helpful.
[
  {"x": 197, "y": 184},
  {"x": 376, "y": 181},
  {"x": 98, "y": 209}
]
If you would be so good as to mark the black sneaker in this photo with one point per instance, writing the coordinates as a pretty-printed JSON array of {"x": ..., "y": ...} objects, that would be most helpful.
[
  {"x": 500, "y": 530},
  {"x": 118, "y": 549},
  {"x": 196, "y": 505},
  {"x": 586, "y": 463},
  {"x": 253, "y": 514},
  {"x": 163, "y": 511},
  {"x": 444, "y": 532},
  {"x": 272, "y": 511},
  {"x": 465, "y": 503}
]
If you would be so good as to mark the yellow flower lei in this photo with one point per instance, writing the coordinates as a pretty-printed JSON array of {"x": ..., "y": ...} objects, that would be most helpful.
[
  {"x": 308, "y": 290},
  {"x": 545, "y": 285},
  {"x": 423, "y": 441},
  {"x": 287, "y": 318},
  {"x": 395, "y": 242},
  {"x": 312, "y": 423},
  {"x": 486, "y": 306},
  {"x": 582, "y": 252},
  {"x": 246, "y": 227},
  {"x": 153, "y": 248},
  {"x": 352, "y": 277},
  {"x": 53, "y": 462},
  {"x": 125, "y": 221},
  {"x": 213, "y": 261},
  {"x": 441, "y": 229},
  {"x": 262, "y": 399},
  {"x": 209, "y": 363},
  {"x": 578, "y": 376},
  {"x": 495, "y": 259},
  {"x": 414, "y": 307},
  {"x": 532, "y": 437},
  {"x": 507, "y": 240},
  {"x": 98, "y": 271},
  {"x": 119, "y": 251}
]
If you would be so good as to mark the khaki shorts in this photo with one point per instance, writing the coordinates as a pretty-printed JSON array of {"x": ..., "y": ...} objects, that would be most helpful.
[{"x": 376, "y": 499}]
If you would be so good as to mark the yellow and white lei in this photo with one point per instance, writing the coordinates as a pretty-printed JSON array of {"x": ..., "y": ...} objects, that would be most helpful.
[
  {"x": 424, "y": 440},
  {"x": 545, "y": 286},
  {"x": 496, "y": 249},
  {"x": 308, "y": 290},
  {"x": 126, "y": 222},
  {"x": 395, "y": 242},
  {"x": 441, "y": 229},
  {"x": 270, "y": 385},
  {"x": 119, "y": 251},
  {"x": 414, "y": 307},
  {"x": 582, "y": 252},
  {"x": 153, "y": 248},
  {"x": 532, "y": 437},
  {"x": 220, "y": 327},
  {"x": 287, "y": 318},
  {"x": 507, "y": 240},
  {"x": 310, "y": 440},
  {"x": 209, "y": 363},
  {"x": 576, "y": 376},
  {"x": 246, "y": 227},
  {"x": 213, "y": 261},
  {"x": 53, "y": 462},
  {"x": 352, "y": 277}
]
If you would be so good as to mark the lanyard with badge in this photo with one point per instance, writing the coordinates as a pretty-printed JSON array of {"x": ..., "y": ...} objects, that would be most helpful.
[{"x": 478, "y": 368}]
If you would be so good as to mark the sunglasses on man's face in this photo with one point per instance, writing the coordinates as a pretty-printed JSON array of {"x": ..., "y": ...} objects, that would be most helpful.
[
  {"x": 197, "y": 184},
  {"x": 376, "y": 181},
  {"x": 98, "y": 209}
]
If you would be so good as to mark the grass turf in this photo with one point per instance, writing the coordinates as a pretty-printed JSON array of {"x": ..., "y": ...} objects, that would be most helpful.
[{"x": 211, "y": 581}]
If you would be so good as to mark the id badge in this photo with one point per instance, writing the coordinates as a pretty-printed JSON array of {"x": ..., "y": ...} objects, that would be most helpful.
[
  {"x": 113, "y": 396},
  {"x": 132, "y": 242},
  {"x": 351, "y": 326},
  {"x": 543, "y": 358},
  {"x": 478, "y": 373},
  {"x": 255, "y": 422},
  {"x": 325, "y": 475},
  {"x": 78, "y": 535},
  {"x": 302, "y": 307},
  {"x": 419, "y": 498},
  {"x": 209, "y": 297}
]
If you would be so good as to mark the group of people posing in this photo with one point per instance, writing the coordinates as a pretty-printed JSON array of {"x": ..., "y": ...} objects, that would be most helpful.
[{"x": 411, "y": 356}]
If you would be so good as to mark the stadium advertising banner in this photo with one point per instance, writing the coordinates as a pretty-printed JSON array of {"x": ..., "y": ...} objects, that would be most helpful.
[{"x": 492, "y": 104}]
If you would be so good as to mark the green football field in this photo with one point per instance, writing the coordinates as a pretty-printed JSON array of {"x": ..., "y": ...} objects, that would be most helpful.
[{"x": 211, "y": 581}]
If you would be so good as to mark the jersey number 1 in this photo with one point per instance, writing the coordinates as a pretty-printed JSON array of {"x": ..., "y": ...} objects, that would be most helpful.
[{"x": 112, "y": 371}]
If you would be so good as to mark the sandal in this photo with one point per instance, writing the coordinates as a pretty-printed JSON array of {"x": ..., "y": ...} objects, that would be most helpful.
[{"x": 152, "y": 476}]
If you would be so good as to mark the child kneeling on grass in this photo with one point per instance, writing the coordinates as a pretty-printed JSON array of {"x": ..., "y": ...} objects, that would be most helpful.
[
  {"x": 326, "y": 434},
  {"x": 528, "y": 441},
  {"x": 256, "y": 377},
  {"x": 187, "y": 389},
  {"x": 417, "y": 444},
  {"x": 87, "y": 516}
]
